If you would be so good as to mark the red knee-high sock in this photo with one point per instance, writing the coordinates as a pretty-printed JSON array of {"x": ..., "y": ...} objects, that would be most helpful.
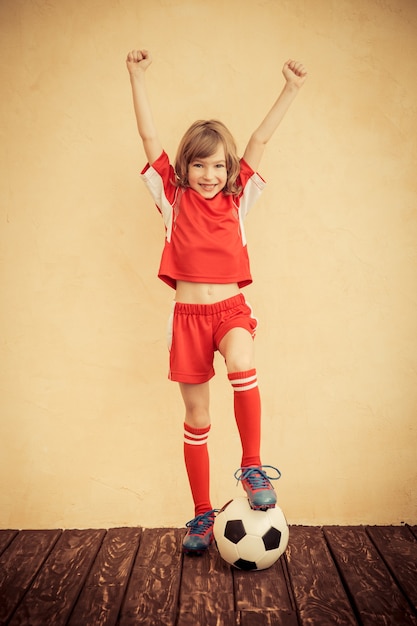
[
  {"x": 247, "y": 405},
  {"x": 198, "y": 466}
]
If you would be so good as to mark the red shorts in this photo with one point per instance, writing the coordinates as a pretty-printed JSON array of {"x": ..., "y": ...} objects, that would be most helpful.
[{"x": 194, "y": 334}]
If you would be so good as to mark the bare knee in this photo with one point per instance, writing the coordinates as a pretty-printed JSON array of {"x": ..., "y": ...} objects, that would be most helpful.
[
  {"x": 196, "y": 401},
  {"x": 239, "y": 362},
  {"x": 238, "y": 351},
  {"x": 197, "y": 415}
]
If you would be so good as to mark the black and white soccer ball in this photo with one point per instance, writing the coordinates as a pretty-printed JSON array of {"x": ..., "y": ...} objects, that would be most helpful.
[{"x": 248, "y": 539}]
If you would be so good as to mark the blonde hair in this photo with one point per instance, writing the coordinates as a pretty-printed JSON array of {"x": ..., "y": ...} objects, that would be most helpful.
[{"x": 199, "y": 142}]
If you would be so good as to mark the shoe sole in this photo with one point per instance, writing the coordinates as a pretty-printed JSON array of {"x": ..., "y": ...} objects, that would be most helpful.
[
  {"x": 262, "y": 507},
  {"x": 197, "y": 551},
  {"x": 193, "y": 552}
]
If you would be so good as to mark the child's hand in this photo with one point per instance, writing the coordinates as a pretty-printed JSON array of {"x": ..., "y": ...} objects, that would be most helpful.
[
  {"x": 138, "y": 61},
  {"x": 294, "y": 73}
]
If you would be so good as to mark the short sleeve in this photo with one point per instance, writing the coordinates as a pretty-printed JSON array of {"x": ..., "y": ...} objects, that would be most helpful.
[
  {"x": 159, "y": 179},
  {"x": 252, "y": 186}
]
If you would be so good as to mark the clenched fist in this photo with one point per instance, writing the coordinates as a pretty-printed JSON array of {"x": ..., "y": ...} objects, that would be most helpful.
[{"x": 138, "y": 60}]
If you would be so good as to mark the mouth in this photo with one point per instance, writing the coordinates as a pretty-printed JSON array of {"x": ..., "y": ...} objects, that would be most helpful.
[{"x": 208, "y": 188}]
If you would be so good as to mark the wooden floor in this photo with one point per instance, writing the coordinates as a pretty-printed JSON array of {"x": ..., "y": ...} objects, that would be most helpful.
[{"x": 333, "y": 575}]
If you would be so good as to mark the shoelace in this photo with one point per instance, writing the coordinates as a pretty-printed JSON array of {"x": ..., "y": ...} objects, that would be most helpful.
[
  {"x": 201, "y": 523},
  {"x": 256, "y": 476}
]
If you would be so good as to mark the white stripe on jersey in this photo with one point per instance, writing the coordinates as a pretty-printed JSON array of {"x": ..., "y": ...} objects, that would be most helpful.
[
  {"x": 251, "y": 193},
  {"x": 155, "y": 184}
]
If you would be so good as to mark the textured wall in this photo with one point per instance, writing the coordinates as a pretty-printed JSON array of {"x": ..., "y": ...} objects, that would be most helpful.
[{"x": 90, "y": 428}]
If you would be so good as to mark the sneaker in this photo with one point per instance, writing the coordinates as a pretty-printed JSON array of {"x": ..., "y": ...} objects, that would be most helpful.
[
  {"x": 257, "y": 484},
  {"x": 200, "y": 533}
]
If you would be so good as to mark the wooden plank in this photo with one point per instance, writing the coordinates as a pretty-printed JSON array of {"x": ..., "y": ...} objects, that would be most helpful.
[
  {"x": 6, "y": 537},
  {"x": 319, "y": 593},
  {"x": 413, "y": 529},
  {"x": 101, "y": 598},
  {"x": 206, "y": 595},
  {"x": 19, "y": 564},
  {"x": 267, "y": 618},
  {"x": 398, "y": 547},
  {"x": 54, "y": 591},
  {"x": 374, "y": 592},
  {"x": 152, "y": 594},
  {"x": 50, "y": 577},
  {"x": 263, "y": 597}
]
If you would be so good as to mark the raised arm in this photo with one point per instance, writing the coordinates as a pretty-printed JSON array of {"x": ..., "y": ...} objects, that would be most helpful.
[
  {"x": 137, "y": 63},
  {"x": 295, "y": 76}
]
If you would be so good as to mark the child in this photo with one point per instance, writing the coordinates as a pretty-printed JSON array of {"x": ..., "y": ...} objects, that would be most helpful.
[{"x": 203, "y": 201}]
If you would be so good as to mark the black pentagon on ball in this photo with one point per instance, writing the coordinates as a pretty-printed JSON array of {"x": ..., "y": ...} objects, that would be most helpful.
[
  {"x": 272, "y": 539},
  {"x": 245, "y": 565},
  {"x": 234, "y": 530}
]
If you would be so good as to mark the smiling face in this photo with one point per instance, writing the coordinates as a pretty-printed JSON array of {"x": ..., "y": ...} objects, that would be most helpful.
[
  {"x": 208, "y": 176},
  {"x": 208, "y": 144}
]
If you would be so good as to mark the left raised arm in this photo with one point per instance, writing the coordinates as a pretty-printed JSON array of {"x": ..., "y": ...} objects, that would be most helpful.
[{"x": 295, "y": 75}]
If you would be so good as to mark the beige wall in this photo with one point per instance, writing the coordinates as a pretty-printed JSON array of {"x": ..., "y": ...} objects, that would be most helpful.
[{"x": 91, "y": 429}]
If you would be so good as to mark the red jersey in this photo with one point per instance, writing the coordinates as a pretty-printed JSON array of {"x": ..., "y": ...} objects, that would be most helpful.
[{"x": 205, "y": 240}]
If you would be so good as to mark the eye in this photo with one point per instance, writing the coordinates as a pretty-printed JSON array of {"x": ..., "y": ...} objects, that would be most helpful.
[{"x": 220, "y": 166}]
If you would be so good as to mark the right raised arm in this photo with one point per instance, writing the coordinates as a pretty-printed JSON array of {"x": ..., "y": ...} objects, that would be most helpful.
[{"x": 137, "y": 63}]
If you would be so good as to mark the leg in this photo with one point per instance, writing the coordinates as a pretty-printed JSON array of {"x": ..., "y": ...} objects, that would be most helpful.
[
  {"x": 191, "y": 364},
  {"x": 237, "y": 349},
  {"x": 196, "y": 431},
  {"x": 196, "y": 400}
]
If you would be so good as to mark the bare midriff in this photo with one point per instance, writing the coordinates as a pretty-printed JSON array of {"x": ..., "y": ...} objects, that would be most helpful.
[{"x": 204, "y": 293}]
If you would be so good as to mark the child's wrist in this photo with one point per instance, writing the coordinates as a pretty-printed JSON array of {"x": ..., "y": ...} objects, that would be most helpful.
[{"x": 291, "y": 86}]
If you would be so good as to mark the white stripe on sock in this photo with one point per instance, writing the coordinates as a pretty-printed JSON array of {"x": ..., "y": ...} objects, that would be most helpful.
[
  {"x": 246, "y": 387},
  {"x": 244, "y": 384},
  {"x": 195, "y": 439},
  {"x": 240, "y": 381},
  {"x": 194, "y": 436},
  {"x": 193, "y": 442}
]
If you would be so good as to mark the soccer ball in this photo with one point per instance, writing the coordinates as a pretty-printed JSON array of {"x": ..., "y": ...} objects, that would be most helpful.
[{"x": 248, "y": 539}]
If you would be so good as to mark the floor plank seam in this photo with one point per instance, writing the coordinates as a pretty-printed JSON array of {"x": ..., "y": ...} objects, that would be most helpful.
[
  {"x": 290, "y": 587},
  {"x": 126, "y": 583},
  {"x": 178, "y": 615},
  {"x": 413, "y": 530},
  {"x": 391, "y": 572},
  {"x": 35, "y": 573},
  {"x": 345, "y": 585},
  {"x": 85, "y": 577}
]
